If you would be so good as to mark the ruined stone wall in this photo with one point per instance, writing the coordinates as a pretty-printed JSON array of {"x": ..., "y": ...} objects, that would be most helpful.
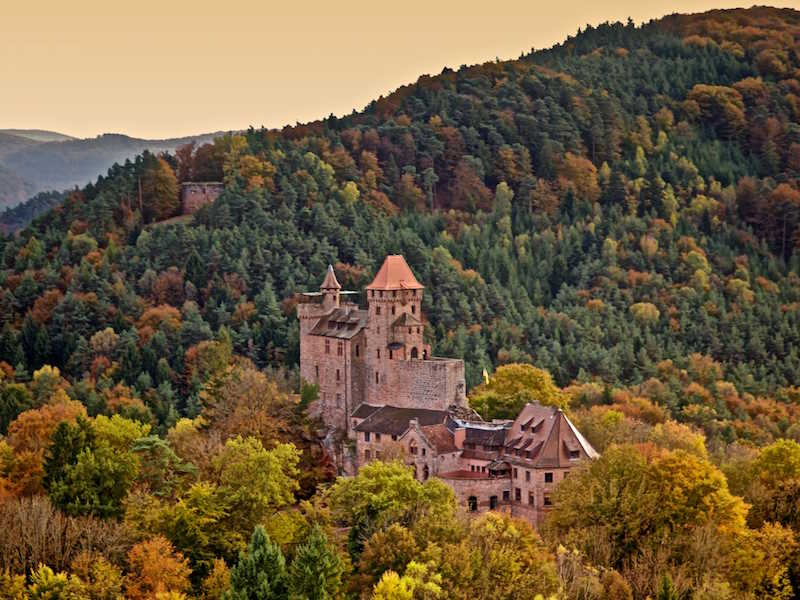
[{"x": 196, "y": 195}]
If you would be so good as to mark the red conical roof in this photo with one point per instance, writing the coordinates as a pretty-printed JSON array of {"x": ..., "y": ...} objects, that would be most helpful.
[
  {"x": 395, "y": 274},
  {"x": 330, "y": 282}
]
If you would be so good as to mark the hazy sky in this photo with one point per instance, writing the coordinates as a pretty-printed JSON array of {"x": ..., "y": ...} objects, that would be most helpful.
[{"x": 163, "y": 68}]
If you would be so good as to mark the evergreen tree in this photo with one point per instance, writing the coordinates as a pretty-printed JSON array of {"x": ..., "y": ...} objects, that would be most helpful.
[
  {"x": 260, "y": 573},
  {"x": 316, "y": 572}
]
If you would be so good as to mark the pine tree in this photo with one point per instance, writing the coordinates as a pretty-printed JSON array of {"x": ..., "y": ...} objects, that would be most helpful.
[
  {"x": 316, "y": 572},
  {"x": 260, "y": 573}
]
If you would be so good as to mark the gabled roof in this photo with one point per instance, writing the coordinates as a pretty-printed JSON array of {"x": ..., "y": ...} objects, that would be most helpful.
[
  {"x": 342, "y": 323},
  {"x": 393, "y": 420},
  {"x": 330, "y": 282},
  {"x": 440, "y": 437},
  {"x": 364, "y": 410},
  {"x": 395, "y": 274},
  {"x": 542, "y": 445}
]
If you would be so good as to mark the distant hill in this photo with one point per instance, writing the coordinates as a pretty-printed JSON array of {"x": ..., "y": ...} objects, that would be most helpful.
[
  {"x": 38, "y": 135},
  {"x": 33, "y": 161}
]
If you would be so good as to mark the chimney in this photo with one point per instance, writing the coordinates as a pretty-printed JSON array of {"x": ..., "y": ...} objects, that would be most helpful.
[{"x": 459, "y": 435}]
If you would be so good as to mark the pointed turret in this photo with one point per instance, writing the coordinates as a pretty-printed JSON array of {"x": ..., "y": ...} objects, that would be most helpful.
[
  {"x": 330, "y": 282},
  {"x": 330, "y": 290}
]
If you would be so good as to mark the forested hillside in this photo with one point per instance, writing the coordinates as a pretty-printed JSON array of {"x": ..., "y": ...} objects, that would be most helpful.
[
  {"x": 621, "y": 210},
  {"x": 33, "y": 161}
]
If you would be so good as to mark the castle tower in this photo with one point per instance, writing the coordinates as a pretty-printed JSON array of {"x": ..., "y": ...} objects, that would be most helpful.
[{"x": 396, "y": 331}]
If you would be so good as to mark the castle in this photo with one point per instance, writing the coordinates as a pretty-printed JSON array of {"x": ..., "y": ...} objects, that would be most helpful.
[{"x": 380, "y": 389}]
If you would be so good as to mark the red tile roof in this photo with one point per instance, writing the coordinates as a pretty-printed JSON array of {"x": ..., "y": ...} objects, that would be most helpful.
[{"x": 395, "y": 274}]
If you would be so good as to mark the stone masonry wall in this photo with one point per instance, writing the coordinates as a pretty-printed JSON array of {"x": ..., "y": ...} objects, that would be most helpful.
[
  {"x": 196, "y": 195},
  {"x": 483, "y": 489}
]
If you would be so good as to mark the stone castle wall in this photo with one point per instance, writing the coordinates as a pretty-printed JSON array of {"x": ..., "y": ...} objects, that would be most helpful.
[
  {"x": 196, "y": 195},
  {"x": 434, "y": 383},
  {"x": 481, "y": 488}
]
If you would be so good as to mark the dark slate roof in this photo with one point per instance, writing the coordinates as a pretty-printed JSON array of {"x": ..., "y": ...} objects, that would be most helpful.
[
  {"x": 393, "y": 420},
  {"x": 485, "y": 436},
  {"x": 364, "y": 410},
  {"x": 342, "y": 323}
]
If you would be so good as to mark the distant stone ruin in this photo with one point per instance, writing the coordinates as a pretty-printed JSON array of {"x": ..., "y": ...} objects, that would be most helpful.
[{"x": 195, "y": 195}]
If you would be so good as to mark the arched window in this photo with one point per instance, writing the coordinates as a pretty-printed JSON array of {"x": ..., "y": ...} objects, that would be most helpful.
[
  {"x": 425, "y": 473},
  {"x": 472, "y": 503},
  {"x": 414, "y": 353}
]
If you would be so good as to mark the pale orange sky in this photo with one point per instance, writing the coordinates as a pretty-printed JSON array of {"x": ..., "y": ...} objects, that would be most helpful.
[{"x": 163, "y": 68}]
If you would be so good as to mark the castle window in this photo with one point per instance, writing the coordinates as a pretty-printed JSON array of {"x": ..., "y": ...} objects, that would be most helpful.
[
  {"x": 425, "y": 473},
  {"x": 338, "y": 375},
  {"x": 472, "y": 468},
  {"x": 391, "y": 354},
  {"x": 412, "y": 448},
  {"x": 366, "y": 436},
  {"x": 379, "y": 352},
  {"x": 414, "y": 293},
  {"x": 377, "y": 437},
  {"x": 376, "y": 378},
  {"x": 372, "y": 293},
  {"x": 394, "y": 293},
  {"x": 377, "y": 310},
  {"x": 327, "y": 346},
  {"x": 380, "y": 293},
  {"x": 340, "y": 349},
  {"x": 472, "y": 503},
  {"x": 506, "y": 495},
  {"x": 527, "y": 475},
  {"x": 394, "y": 438},
  {"x": 409, "y": 331},
  {"x": 424, "y": 452},
  {"x": 393, "y": 311},
  {"x": 548, "y": 501},
  {"x": 515, "y": 473},
  {"x": 379, "y": 328},
  {"x": 316, "y": 371},
  {"x": 548, "y": 477},
  {"x": 530, "y": 498},
  {"x": 517, "y": 494},
  {"x": 357, "y": 350},
  {"x": 574, "y": 454},
  {"x": 414, "y": 353},
  {"x": 413, "y": 309},
  {"x": 338, "y": 400}
]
